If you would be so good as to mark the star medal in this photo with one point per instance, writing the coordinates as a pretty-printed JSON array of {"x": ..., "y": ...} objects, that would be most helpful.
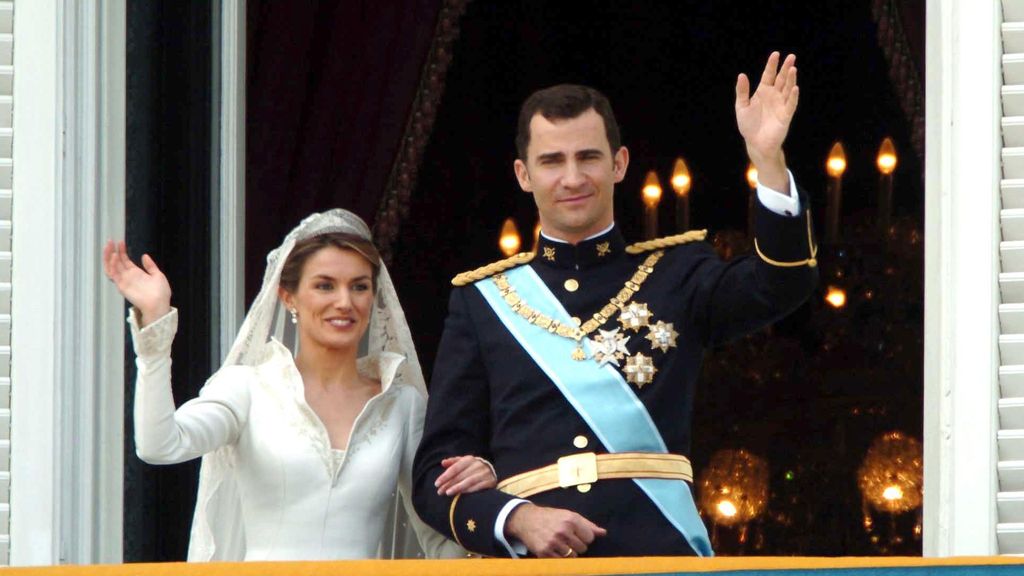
[
  {"x": 640, "y": 370},
  {"x": 662, "y": 336},
  {"x": 635, "y": 316},
  {"x": 609, "y": 347}
]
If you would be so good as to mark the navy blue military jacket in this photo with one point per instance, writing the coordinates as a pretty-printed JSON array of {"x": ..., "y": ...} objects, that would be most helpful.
[{"x": 489, "y": 398}]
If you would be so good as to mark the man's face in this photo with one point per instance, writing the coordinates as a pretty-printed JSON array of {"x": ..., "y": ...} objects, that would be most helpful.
[{"x": 571, "y": 171}]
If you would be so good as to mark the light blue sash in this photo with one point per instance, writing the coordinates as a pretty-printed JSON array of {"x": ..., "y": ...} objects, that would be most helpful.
[{"x": 603, "y": 399}]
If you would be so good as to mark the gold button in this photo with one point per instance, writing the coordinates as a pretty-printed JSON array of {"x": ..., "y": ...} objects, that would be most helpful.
[
  {"x": 580, "y": 441},
  {"x": 576, "y": 320},
  {"x": 571, "y": 285},
  {"x": 583, "y": 488}
]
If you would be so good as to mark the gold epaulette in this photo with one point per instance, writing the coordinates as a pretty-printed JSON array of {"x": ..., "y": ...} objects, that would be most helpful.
[
  {"x": 492, "y": 269},
  {"x": 667, "y": 241}
]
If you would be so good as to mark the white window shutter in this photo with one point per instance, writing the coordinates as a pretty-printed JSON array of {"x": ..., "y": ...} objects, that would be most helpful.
[{"x": 1010, "y": 498}]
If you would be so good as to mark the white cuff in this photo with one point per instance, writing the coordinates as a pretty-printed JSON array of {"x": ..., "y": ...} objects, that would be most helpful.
[
  {"x": 155, "y": 339},
  {"x": 516, "y": 548},
  {"x": 781, "y": 204},
  {"x": 489, "y": 465}
]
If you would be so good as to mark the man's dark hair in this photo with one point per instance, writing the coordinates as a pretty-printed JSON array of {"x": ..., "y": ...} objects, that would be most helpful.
[{"x": 565, "y": 102}]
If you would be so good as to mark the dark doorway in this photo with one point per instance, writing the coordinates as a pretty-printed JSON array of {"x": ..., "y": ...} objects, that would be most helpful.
[{"x": 168, "y": 195}]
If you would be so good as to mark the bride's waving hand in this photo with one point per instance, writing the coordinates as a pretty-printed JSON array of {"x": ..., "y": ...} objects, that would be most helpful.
[{"x": 146, "y": 288}]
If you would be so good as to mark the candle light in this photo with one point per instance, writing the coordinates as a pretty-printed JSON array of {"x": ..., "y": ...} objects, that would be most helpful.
[
  {"x": 835, "y": 166},
  {"x": 681, "y": 184},
  {"x": 886, "y": 166},
  {"x": 751, "y": 198},
  {"x": 651, "y": 196},
  {"x": 536, "y": 235},
  {"x": 509, "y": 241}
]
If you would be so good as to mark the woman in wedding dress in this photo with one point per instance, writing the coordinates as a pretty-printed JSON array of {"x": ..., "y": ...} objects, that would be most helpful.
[{"x": 303, "y": 451}]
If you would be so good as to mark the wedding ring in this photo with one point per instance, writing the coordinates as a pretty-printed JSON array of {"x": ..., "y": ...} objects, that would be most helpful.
[{"x": 569, "y": 553}]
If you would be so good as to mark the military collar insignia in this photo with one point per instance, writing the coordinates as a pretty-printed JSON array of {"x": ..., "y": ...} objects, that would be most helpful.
[{"x": 580, "y": 256}]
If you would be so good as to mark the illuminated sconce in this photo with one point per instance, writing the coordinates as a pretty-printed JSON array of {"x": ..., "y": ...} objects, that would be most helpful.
[
  {"x": 887, "y": 157},
  {"x": 751, "y": 176},
  {"x": 651, "y": 196},
  {"x": 751, "y": 198},
  {"x": 891, "y": 475},
  {"x": 681, "y": 182},
  {"x": 835, "y": 166},
  {"x": 680, "y": 177},
  {"x": 509, "y": 241},
  {"x": 886, "y": 166},
  {"x": 734, "y": 487},
  {"x": 652, "y": 189},
  {"x": 836, "y": 297}
]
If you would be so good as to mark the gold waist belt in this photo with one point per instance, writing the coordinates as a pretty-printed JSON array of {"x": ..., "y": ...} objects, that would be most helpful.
[{"x": 584, "y": 469}]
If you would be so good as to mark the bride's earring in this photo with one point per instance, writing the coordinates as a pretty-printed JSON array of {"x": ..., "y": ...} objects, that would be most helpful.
[{"x": 295, "y": 316}]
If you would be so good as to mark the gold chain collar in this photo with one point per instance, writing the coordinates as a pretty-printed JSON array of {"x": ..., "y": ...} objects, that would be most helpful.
[{"x": 578, "y": 333}]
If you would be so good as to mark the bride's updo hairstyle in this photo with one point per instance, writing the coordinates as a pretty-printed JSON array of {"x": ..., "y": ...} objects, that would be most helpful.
[{"x": 291, "y": 273}]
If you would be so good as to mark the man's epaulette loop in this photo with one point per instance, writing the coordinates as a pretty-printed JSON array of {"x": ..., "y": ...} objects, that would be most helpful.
[
  {"x": 492, "y": 269},
  {"x": 667, "y": 242}
]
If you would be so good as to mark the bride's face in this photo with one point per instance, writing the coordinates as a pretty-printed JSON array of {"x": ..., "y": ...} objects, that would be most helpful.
[{"x": 333, "y": 299}]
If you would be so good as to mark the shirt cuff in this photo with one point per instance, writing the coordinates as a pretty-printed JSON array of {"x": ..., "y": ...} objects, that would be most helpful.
[
  {"x": 516, "y": 548},
  {"x": 777, "y": 202}
]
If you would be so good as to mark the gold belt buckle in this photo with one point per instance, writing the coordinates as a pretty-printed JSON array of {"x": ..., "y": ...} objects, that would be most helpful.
[{"x": 577, "y": 469}]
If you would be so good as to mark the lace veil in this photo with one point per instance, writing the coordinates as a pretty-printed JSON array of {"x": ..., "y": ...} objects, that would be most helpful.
[{"x": 217, "y": 524}]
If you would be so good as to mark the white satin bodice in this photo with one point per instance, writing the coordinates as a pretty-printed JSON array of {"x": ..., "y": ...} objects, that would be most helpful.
[{"x": 300, "y": 499}]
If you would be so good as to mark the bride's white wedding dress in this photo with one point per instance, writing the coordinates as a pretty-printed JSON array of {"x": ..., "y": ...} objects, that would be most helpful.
[{"x": 299, "y": 498}]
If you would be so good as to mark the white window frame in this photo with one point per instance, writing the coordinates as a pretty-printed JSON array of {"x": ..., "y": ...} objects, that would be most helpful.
[
  {"x": 67, "y": 392},
  {"x": 229, "y": 209},
  {"x": 962, "y": 174}
]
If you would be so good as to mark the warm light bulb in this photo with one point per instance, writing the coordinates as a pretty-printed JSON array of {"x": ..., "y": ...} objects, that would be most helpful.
[
  {"x": 887, "y": 157},
  {"x": 836, "y": 297},
  {"x": 727, "y": 509},
  {"x": 509, "y": 241},
  {"x": 836, "y": 164},
  {"x": 681, "y": 177},
  {"x": 751, "y": 176},
  {"x": 652, "y": 189},
  {"x": 892, "y": 493}
]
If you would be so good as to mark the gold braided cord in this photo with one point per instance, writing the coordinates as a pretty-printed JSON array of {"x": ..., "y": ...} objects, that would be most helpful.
[
  {"x": 667, "y": 241},
  {"x": 492, "y": 269},
  {"x": 811, "y": 261},
  {"x": 451, "y": 519}
]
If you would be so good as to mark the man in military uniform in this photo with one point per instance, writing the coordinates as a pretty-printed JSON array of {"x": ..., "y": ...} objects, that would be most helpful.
[{"x": 572, "y": 370}]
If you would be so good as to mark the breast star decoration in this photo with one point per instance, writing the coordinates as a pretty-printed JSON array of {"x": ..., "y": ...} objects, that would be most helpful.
[
  {"x": 640, "y": 370},
  {"x": 635, "y": 316},
  {"x": 662, "y": 336},
  {"x": 609, "y": 347}
]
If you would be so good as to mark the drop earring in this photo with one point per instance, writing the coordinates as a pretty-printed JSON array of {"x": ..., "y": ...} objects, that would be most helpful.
[{"x": 295, "y": 316}]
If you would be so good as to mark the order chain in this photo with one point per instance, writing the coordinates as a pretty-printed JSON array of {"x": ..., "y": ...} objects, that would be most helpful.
[{"x": 578, "y": 333}]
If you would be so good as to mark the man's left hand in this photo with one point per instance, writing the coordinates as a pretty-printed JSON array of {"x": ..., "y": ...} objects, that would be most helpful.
[{"x": 764, "y": 118}]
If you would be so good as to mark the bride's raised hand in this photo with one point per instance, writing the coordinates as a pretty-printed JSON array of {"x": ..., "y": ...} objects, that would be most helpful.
[
  {"x": 465, "y": 474},
  {"x": 145, "y": 288}
]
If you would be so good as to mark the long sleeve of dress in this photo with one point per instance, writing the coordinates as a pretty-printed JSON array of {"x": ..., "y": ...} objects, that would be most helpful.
[
  {"x": 433, "y": 543},
  {"x": 164, "y": 435}
]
